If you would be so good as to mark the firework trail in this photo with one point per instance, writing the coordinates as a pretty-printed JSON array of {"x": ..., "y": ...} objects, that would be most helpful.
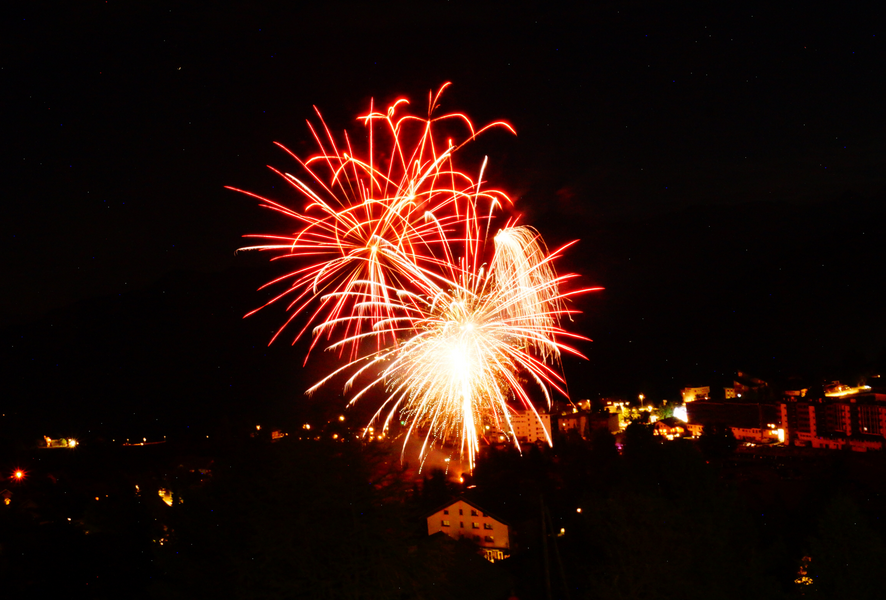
[
  {"x": 370, "y": 226},
  {"x": 393, "y": 270},
  {"x": 465, "y": 351}
]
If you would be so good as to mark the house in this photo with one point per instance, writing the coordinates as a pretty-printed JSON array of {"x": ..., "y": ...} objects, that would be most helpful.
[
  {"x": 461, "y": 518},
  {"x": 669, "y": 428}
]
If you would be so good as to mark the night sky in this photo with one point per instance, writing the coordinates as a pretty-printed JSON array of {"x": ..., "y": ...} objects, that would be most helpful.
[{"x": 722, "y": 163}]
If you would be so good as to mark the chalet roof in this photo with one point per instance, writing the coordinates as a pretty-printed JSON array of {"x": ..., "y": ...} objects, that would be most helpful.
[{"x": 469, "y": 503}]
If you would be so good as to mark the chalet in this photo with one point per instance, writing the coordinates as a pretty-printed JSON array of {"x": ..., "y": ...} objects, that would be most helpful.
[{"x": 461, "y": 518}]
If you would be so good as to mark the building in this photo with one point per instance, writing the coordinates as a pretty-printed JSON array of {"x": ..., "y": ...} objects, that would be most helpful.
[
  {"x": 530, "y": 426},
  {"x": 727, "y": 388},
  {"x": 59, "y": 443},
  {"x": 586, "y": 422},
  {"x": 839, "y": 418},
  {"x": 751, "y": 422},
  {"x": 669, "y": 428},
  {"x": 756, "y": 435},
  {"x": 462, "y": 519},
  {"x": 691, "y": 394}
]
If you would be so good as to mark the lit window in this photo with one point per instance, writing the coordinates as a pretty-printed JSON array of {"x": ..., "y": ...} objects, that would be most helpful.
[
  {"x": 444, "y": 523},
  {"x": 489, "y": 538},
  {"x": 487, "y": 526},
  {"x": 475, "y": 526},
  {"x": 473, "y": 513}
]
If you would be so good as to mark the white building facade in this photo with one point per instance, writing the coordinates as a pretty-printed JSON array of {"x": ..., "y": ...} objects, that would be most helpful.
[
  {"x": 531, "y": 427},
  {"x": 463, "y": 519}
]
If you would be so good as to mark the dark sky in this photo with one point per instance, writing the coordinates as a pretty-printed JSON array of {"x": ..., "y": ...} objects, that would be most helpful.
[{"x": 122, "y": 122}]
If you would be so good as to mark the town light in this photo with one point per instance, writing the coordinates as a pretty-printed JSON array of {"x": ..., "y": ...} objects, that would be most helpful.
[
  {"x": 18, "y": 474},
  {"x": 681, "y": 413},
  {"x": 165, "y": 495}
]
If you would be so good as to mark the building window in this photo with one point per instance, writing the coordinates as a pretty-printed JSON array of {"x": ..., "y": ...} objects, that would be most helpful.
[
  {"x": 445, "y": 511},
  {"x": 834, "y": 417},
  {"x": 461, "y": 524},
  {"x": 461, "y": 512},
  {"x": 489, "y": 539},
  {"x": 444, "y": 523},
  {"x": 870, "y": 419},
  {"x": 473, "y": 513},
  {"x": 487, "y": 526},
  {"x": 494, "y": 555},
  {"x": 475, "y": 526}
]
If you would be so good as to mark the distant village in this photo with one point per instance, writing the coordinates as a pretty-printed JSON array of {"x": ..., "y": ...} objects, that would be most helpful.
[
  {"x": 757, "y": 417},
  {"x": 530, "y": 504},
  {"x": 835, "y": 416}
]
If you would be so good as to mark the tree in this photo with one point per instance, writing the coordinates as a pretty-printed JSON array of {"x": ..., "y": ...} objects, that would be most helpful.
[
  {"x": 298, "y": 519},
  {"x": 717, "y": 441}
]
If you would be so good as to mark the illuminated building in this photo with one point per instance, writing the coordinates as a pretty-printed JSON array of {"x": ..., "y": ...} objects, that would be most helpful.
[
  {"x": 769, "y": 434},
  {"x": 461, "y": 518},
  {"x": 681, "y": 413},
  {"x": 750, "y": 422},
  {"x": 691, "y": 394},
  {"x": 841, "y": 417},
  {"x": 669, "y": 428},
  {"x": 736, "y": 386},
  {"x": 60, "y": 442},
  {"x": 529, "y": 427}
]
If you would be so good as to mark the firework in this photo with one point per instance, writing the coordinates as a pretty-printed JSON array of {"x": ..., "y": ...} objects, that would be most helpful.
[
  {"x": 460, "y": 366},
  {"x": 395, "y": 268},
  {"x": 370, "y": 226}
]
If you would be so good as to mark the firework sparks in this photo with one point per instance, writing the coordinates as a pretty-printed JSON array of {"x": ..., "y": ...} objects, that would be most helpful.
[
  {"x": 460, "y": 366},
  {"x": 367, "y": 228},
  {"x": 392, "y": 262}
]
